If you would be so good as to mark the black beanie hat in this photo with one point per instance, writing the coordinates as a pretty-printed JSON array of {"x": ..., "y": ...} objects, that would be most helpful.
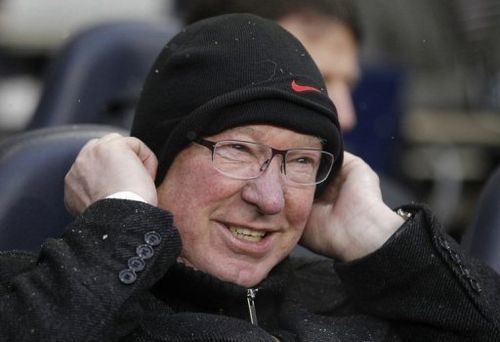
[{"x": 228, "y": 71}]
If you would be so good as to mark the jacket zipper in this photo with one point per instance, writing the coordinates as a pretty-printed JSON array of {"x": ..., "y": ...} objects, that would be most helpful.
[{"x": 251, "y": 293}]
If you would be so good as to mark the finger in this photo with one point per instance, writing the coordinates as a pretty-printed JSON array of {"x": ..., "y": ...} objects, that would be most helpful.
[
  {"x": 110, "y": 137},
  {"x": 96, "y": 141},
  {"x": 144, "y": 153},
  {"x": 89, "y": 144}
]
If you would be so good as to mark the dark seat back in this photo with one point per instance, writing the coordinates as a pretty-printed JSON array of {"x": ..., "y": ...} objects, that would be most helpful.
[
  {"x": 482, "y": 240},
  {"x": 98, "y": 75},
  {"x": 32, "y": 169}
]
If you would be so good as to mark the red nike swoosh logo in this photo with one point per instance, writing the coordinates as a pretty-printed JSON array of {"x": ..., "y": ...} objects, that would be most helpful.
[{"x": 302, "y": 88}]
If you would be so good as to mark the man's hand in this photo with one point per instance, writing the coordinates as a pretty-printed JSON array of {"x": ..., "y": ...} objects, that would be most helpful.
[
  {"x": 108, "y": 165},
  {"x": 350, "y": 219}
]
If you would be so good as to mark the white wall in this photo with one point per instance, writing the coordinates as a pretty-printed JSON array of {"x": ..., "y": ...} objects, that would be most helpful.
[{"x": 44, "y": 24}]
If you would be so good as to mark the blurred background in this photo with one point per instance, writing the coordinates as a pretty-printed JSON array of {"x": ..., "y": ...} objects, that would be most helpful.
[{"x": 428, "y": 101}]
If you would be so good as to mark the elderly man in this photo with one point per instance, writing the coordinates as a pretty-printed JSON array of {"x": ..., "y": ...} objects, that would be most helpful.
[{"x": 245, "y": 147}]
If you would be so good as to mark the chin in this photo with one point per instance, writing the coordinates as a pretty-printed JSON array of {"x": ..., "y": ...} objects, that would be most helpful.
[
  {"x": 241, "y": 274},
  {"x": 245, "y": 274},
  {"x": 248, "y": 280}
]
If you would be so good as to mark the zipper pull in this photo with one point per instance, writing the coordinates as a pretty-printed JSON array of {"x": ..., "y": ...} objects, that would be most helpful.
[{"x": 251, "y": 305}]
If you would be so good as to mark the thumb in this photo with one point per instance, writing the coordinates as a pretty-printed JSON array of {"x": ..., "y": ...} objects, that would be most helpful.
[{"x": 145, "y": 155}]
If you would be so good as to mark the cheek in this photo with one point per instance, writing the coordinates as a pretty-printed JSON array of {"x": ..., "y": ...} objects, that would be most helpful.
[
  {"x": 209, "y": 189},
  {"x": 193, "y": 184},
  {"x": 193, "y": 196},
  {"x": 299, "y": 206}
]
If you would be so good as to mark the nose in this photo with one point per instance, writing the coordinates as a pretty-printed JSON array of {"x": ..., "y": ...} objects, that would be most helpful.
[
  {"x": 267, "y": 191},
  {"x": 340, "y": 94}
]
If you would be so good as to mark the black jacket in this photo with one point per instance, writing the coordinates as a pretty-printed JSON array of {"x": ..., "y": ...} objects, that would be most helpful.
[{"x": 417, "y": 287}]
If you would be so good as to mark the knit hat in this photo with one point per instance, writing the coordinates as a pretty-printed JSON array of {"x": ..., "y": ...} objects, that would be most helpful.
[{"x": 229, "y": 71}]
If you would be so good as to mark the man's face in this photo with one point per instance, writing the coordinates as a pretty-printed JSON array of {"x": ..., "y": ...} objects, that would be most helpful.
[
  {"x": 208, "y": 207},
  {"x": 335, "y": 51}
]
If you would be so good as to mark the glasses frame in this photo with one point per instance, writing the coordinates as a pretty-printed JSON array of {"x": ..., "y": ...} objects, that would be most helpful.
[{"x": 211, "y": 145}]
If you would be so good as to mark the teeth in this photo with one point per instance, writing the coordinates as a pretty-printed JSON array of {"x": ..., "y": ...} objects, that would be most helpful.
[{"x": 247, "y": 234}]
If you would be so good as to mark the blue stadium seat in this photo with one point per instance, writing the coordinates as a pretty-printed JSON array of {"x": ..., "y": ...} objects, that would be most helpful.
[
  {"x": 32, "y": 169},
  {"x": 482, "y": 239},
  {"x": 98, "y": 75}
]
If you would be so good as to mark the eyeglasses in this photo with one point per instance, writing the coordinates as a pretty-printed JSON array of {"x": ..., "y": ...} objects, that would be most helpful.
[{"x": 248, "y": 160}]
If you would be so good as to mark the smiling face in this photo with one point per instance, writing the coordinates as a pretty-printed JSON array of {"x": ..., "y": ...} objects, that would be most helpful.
[{"x": 237, "y": 230}]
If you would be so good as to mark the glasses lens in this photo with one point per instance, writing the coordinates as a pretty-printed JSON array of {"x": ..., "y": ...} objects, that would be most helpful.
[
  {"x": 247, "y": 160},
  {"x": 308, "y": 166},
  {"x": 325, "y": 167},
  {"x": 240, "y": 159}
]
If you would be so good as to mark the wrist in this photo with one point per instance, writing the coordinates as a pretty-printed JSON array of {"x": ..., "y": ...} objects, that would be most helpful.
[
  {"x": 127, "y": 195},
  {"x": 372, "y": 231}
]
